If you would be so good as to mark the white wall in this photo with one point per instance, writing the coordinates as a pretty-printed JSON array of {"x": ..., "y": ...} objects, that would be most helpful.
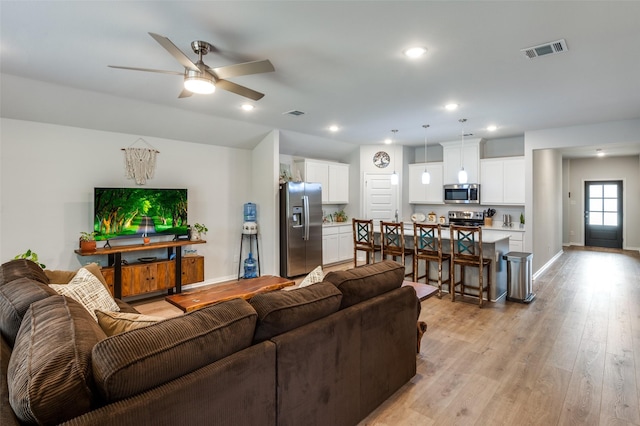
[
  {"x": 265, "y": 176},
  {"x": 546, "y": 211},
  {"x": 626, "y": 169},
  {"x": 48, "y": 173}
]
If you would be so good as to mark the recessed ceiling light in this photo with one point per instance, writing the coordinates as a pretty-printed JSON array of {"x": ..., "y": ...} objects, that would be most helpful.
[
  {"x": 415, "y": 52},
  {"x": 492, "y": 128},
  {"x": 599, "y": 152},
  {"x": 247, "y": 107},
  {"x": 334, "y": 128},
  {"x": 451, "y": 107},
  {"x": 387, "y": 141}
]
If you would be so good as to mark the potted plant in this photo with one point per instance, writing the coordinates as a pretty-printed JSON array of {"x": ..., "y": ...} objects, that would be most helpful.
[
  {"x": 341, "y": 216},
  {"x": 32, "y": 256},
  {"x": 198, "y": 231},
  {"x": 87, "y": 242}
]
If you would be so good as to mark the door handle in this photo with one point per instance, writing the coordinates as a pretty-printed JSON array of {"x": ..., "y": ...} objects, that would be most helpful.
[{"x": 305, "y": 201}]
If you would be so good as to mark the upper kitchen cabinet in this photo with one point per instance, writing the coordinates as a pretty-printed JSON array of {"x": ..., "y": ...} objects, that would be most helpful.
[
  {"x": 420, "y": 193},
  {"x": 453, "y": 158},
  {"x": 334, "y": 178},
  {"x": 502, "y": 181}
]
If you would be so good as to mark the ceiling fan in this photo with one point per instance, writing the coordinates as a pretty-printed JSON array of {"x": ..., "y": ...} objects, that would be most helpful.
[{"x": 199, "y": 78}]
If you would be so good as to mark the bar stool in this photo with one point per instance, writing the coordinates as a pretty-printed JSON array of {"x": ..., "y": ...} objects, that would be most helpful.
[
  {"x": 427, "y": 246},
  {"x": 392, "y": 241},
  {"x": 363, "y": 240},
  {"x": 466, "y": 251}
]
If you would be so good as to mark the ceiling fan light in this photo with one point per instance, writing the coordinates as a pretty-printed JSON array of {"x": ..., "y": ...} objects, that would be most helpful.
[
  {"x": 462, "y": 176},
  {"x": 426, "y": 178},
  {"x": 199, "y": 84},
  {"x": 395, "y": 179}
]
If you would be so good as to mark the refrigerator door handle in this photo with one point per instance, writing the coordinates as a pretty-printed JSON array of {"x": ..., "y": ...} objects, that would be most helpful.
[{"x": 305, "y": 204}]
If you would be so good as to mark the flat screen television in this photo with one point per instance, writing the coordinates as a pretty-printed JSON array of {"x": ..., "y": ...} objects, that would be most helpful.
[{"x": 136, "y": 212}]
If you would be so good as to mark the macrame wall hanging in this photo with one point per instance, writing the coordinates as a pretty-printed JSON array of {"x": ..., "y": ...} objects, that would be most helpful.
[{"x": 140, "y": 163}]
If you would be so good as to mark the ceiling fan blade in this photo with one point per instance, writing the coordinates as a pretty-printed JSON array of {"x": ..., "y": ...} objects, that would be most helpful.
[
  {"x": 175, "y": 52},
  {"x": 246, "y": 68},
  {"x": 184, "y": 94},
  {"x": 147, "y": 70},
  {"x": 239, "y": 90}
]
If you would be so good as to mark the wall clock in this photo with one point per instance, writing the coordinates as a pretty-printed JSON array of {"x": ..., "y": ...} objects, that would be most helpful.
[{"x": 381, "y": 159}]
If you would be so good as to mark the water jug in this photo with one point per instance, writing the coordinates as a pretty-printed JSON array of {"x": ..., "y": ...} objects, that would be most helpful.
[
  {"x": 250, "y": 267},
  {"x": 250, "y": 214}
]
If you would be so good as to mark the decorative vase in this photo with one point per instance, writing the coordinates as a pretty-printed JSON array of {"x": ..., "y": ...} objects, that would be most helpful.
[
  {"x": 195, "y": 235},
  {"x": 146, "y": 240},
  {"x": 87, "y": 246}
]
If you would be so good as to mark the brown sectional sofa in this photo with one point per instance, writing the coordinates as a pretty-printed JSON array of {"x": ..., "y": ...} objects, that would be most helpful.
[{"x": 327, "y": 354}]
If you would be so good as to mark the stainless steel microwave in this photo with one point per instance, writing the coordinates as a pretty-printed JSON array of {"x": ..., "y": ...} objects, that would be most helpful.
[{"x": 463, "y": 193}]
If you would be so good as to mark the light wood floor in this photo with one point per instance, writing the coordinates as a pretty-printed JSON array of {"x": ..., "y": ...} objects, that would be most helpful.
[{"x": 572, "y": 357}]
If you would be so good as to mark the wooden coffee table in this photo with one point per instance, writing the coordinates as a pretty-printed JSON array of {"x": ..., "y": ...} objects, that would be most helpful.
[{"x": 245, "y": 289}]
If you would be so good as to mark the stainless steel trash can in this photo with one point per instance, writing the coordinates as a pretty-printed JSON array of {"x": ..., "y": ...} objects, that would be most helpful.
[{"x": 519, "y": 277}]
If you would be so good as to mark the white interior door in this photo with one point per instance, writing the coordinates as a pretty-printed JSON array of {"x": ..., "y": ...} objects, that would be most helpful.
[{"x": 380, "y": 197}]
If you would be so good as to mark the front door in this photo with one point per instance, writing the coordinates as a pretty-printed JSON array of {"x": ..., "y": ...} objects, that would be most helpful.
[{"x": 603, "y": 214}]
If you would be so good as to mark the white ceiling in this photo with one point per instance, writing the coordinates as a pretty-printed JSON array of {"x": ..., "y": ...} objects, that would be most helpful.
[{"x": 340, "y": 62}]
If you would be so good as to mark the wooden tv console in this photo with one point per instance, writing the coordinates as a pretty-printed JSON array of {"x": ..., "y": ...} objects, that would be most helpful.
[{"x": 144, "y": 277}]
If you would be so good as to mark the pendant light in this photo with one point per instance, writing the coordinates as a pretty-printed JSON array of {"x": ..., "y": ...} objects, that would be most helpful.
[
  {"x": 462, "y": 174},
  {"x": 395, "y": 178},
  {"x": 426, "y": 177}
]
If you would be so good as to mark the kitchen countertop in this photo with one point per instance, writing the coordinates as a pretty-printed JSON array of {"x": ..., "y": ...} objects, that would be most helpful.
[{"x": 329, "y": 224}]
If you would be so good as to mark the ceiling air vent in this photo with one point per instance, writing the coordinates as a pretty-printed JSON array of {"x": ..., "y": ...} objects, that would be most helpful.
[
  {"x": 550, "y": 48},
  {"x": 294, "y": 112}
]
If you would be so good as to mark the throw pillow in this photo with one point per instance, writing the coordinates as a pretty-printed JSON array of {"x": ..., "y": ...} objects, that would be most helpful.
[
  {"x": 113, "y": 323},
  {"x": 86, "y": 289},
  {"x": 314, "y": 276}
]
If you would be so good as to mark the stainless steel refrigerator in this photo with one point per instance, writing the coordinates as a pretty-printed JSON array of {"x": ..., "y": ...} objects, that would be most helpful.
[{"x": 300, "y": 228}]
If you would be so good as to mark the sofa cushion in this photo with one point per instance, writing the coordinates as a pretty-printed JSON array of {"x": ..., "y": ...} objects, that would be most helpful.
[
  {"x": 367, "y": 281},
  {"x": 281, "y": 311},
  {"x": 15, "y": 298},
  {"x": 86, "y": 289},
  {"x": 132, "y": 362},
  {"x": 59, "y": 277},
  {"x": 22, "y": 268},
  {"x": 49, "y": 373},
  {"x": 64, "y": 277},
  {"x": 113, "y": 323}
]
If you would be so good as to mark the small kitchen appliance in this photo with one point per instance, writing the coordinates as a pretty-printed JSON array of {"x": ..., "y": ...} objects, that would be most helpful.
[{"x": 467, "y": 193}]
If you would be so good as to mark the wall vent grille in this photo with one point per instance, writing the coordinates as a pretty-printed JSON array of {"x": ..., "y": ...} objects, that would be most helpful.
[{"x": 550, "y": 48}]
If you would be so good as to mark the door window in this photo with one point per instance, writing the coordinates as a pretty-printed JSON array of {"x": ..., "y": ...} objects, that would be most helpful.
[{"x": 603, "y": 204}]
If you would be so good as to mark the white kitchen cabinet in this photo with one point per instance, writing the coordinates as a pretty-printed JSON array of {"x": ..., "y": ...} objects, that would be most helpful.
[
  {"x": 425, "y": 194},
  {"x": 334, "y": 178},
  {"x": 516, "y": 238},
  {"x": 502, "y": 181},
  {"x": 452, "y": 159},
  {"x": 337, "y": 243},
  {"x": 345, "y": 244},
  {"x": 330, "y": 245},
  {"x": 338, "y": 183}
]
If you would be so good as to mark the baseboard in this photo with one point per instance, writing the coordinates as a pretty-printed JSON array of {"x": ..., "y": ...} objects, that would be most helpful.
[{"x": 547, "y": 265}]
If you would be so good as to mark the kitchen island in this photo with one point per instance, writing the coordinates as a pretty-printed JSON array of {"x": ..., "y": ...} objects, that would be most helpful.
[{"x": 494, "y": 246}]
